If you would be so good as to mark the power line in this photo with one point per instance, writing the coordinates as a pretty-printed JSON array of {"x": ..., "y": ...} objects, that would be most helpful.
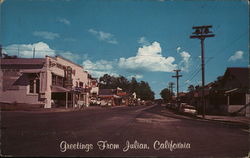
[{"x": 218, "y": 52}]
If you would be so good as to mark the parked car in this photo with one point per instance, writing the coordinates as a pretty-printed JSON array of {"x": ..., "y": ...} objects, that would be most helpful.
[
  {"x": 103, "y": 103},
  {"x": 95, "y": 102},
  {"x": 173, "y": 106},
  {"x": 187, "y": 109}
]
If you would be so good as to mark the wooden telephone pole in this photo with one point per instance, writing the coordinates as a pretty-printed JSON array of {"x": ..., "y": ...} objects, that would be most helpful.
[
  {"x": 177, "y": 83},
  {"x": 202, "y": 32},
  {"x": 171, "y": 86}
]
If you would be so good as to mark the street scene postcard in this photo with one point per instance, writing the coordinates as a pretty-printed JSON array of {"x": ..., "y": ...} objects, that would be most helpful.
[{"x": 124, "y": 78}]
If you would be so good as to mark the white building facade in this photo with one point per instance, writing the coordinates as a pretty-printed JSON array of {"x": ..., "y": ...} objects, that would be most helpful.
[{"x": 49, "y": 81}]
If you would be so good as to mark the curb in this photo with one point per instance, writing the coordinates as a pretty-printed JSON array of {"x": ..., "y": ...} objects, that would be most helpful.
[
  {"x": 230, "y": 123},
  {"x": 195, "y": 118}
]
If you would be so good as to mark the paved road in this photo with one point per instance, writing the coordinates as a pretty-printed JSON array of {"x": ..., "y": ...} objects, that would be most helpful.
[{"x": 47, "y": 133}]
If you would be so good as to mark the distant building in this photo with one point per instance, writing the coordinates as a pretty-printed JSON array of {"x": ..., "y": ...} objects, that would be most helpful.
[
  {"x": 94, "y": 90},
  {"x": 49, "y": 81},
  {"x": 93, "y": 83},
  {"x": 113, "y": 97}
]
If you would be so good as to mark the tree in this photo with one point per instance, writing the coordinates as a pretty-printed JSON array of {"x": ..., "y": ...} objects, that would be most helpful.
[
  {"x": 133, "y": 85},
  {"x": 144, "y": 91},
  {"x": 112, "y": 82},
  {"x": 191, "y": 88},
  {"x": 122, "y": 82},
  {"x": 166, "y": 95},
  {"x": 197, "y": 87},
  {"x": 105, "y": 81},
  {"x": 218, "y": 84},
  {"x": 142, "y": 88}
]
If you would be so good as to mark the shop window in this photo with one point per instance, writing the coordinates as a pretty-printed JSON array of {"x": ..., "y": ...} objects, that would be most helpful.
[
  {"x": 37, "y": 85},
  {"x": 81, "y": 84},
  {"x": 59, "y": 80},
  {"x": 34, "y": 86},
  {"x": 31, "y": 86},
  {"x": 53, "y": 79}
]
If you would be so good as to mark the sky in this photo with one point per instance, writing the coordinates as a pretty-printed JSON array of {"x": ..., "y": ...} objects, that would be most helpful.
[{"x": 146, "y": 39}]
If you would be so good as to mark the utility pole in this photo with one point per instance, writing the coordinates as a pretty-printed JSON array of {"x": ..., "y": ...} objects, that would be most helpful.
[
  {"x": 1, "y": 53},
  {"x": 34, "y": 52},
  {"x": 171, "y": 86},
  {"x": 202, "y": 32},
  {"x": 177, "y": 82},
  {"x": 18, "y": 52}
]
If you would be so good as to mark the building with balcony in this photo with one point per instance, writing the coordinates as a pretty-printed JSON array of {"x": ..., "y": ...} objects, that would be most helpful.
[{"x": 49, "y": 82}]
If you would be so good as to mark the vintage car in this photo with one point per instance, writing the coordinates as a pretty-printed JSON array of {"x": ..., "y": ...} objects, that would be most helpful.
[{"x": 187, "y": 109}]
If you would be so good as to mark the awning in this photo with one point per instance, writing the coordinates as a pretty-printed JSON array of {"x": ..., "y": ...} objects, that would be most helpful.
[
  {"x": 32, "y": 71},
  {"x": 231, "y": 90},
  {"x": 109, "y": 96},
  {"x": 59, "y": 89}
]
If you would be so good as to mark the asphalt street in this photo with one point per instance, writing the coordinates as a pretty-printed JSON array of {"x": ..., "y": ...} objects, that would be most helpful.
[{"x": 106, "y": 132}]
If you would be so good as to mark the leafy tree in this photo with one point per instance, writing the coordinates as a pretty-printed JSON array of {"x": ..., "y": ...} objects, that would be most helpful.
[
  {"x": 197, "y": 87},
  {"x": 191, "y": 88},
  {"x": 111, "y": 82},
  {"x": 142, "y": 88},
  {"x": 122, "y": 82},
  {"x": 144, "y": 91},
  {"x": 105, "y": 81},
  {"x": 166, "y": 95},
  {"x": 133, "y": 85}
]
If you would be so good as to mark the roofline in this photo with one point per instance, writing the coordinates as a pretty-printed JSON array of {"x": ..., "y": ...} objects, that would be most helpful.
[
  {"x": 228, "y": 68},
  {"x": 58, "y": 56},
  {"x": 2, "y": 59},
  {"x": 238, "y": 67},
  {"x": 18, "y": 58}
]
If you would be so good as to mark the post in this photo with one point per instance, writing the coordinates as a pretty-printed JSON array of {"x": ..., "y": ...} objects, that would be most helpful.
[
  {"x": 1, "y": 53},
  {"x": 171, "y": 86},
  {"x": 203, "y": 77},
  {"x": 73, "y": 100},
  {"x": 202, "y": 32},
  {"x": 66, "y": 100},
  {"x": 177, "y": 83},
  {"x": 34, "y": 52}
]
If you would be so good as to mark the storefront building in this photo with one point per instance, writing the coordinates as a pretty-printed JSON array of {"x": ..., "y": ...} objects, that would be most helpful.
[{"x": 49, "y": 81}]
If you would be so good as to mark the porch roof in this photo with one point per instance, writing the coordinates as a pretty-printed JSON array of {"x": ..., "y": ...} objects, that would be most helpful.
[
  {"x": 59, "y": 89},
  {"x": 109, "y": 96}
]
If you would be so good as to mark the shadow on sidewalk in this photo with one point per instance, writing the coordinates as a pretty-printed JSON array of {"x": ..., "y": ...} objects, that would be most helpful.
[{"x": 160, "y": 110}]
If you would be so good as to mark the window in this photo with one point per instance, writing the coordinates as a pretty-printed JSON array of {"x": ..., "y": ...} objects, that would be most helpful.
[
  {"x": 81, "y": 84},
  {"x": 34, "y": 86},
  {"x": 37, "y": 85},
  {"x": 57, "y": 80},
  {"x": 31, "y": 86},
  {"x": 53, "y": 79}
]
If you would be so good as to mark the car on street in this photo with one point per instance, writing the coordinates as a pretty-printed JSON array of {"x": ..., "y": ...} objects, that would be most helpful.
[
  {"x": 174, "y": 106},
  {"x": 187, "y": 109}
]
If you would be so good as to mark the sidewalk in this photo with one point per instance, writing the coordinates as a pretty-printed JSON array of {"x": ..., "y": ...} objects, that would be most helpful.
[
  {"x": 234, "y": 121},
  {"x": 241, "y": 120}
]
